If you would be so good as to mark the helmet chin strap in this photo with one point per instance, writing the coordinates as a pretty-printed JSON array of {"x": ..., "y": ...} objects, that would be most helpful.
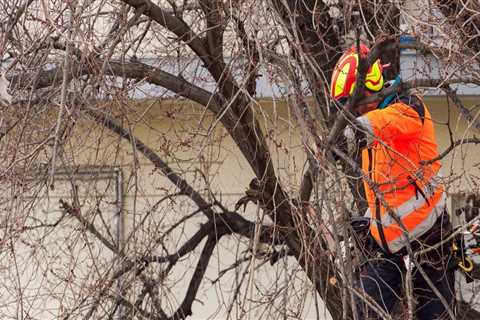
[{"x": 389, "y": 99}]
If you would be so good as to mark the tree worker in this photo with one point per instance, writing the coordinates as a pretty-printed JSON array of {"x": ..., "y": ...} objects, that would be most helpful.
[{"x": 396, "y": 138}]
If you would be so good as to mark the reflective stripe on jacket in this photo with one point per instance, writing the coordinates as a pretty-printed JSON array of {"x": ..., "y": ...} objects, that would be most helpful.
[{"x": 399, "y": 138}]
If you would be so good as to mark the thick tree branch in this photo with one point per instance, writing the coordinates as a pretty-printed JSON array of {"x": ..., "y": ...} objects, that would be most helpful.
[
  {"x": 173, "y": 24},
  {"x": 223, "y": 224},
  {"x": 171, "y": 82},
  {"x": 131, "y": 70},
  {"x": 185, "y": 308},
  {"x": 215, "y": 27},
  {"x": 252, "y": 56},
  {"x": 213, "y": 60}
]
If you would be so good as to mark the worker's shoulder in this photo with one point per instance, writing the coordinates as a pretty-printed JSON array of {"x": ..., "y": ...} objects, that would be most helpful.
[{"x": 411, "y": 103}]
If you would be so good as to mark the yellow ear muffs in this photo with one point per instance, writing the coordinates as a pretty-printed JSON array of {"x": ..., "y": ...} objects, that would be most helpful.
[{"x": 374, "y": 79}]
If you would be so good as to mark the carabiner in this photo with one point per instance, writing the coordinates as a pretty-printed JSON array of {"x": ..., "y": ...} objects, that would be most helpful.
[{"x": 469, "y": 266}]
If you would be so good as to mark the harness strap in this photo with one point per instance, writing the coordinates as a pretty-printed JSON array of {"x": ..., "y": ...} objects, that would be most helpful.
[
  {"x": 415, "y": 103},
  {"x": 380, "y": 226},
  {"x": 418, "y": 189}
]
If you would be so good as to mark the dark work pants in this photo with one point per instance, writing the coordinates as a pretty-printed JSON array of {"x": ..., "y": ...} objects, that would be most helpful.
[{"x": 383, "y": 280}]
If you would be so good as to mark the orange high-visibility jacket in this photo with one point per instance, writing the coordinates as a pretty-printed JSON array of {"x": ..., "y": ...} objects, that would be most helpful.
[{"x": 399, "y": 138}]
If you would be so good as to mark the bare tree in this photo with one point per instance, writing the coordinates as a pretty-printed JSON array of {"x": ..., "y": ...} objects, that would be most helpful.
[{"x": 126, "y": 115}]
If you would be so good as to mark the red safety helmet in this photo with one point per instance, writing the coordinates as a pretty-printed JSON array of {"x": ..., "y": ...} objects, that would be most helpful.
[{"x": 345, "y": 74}]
